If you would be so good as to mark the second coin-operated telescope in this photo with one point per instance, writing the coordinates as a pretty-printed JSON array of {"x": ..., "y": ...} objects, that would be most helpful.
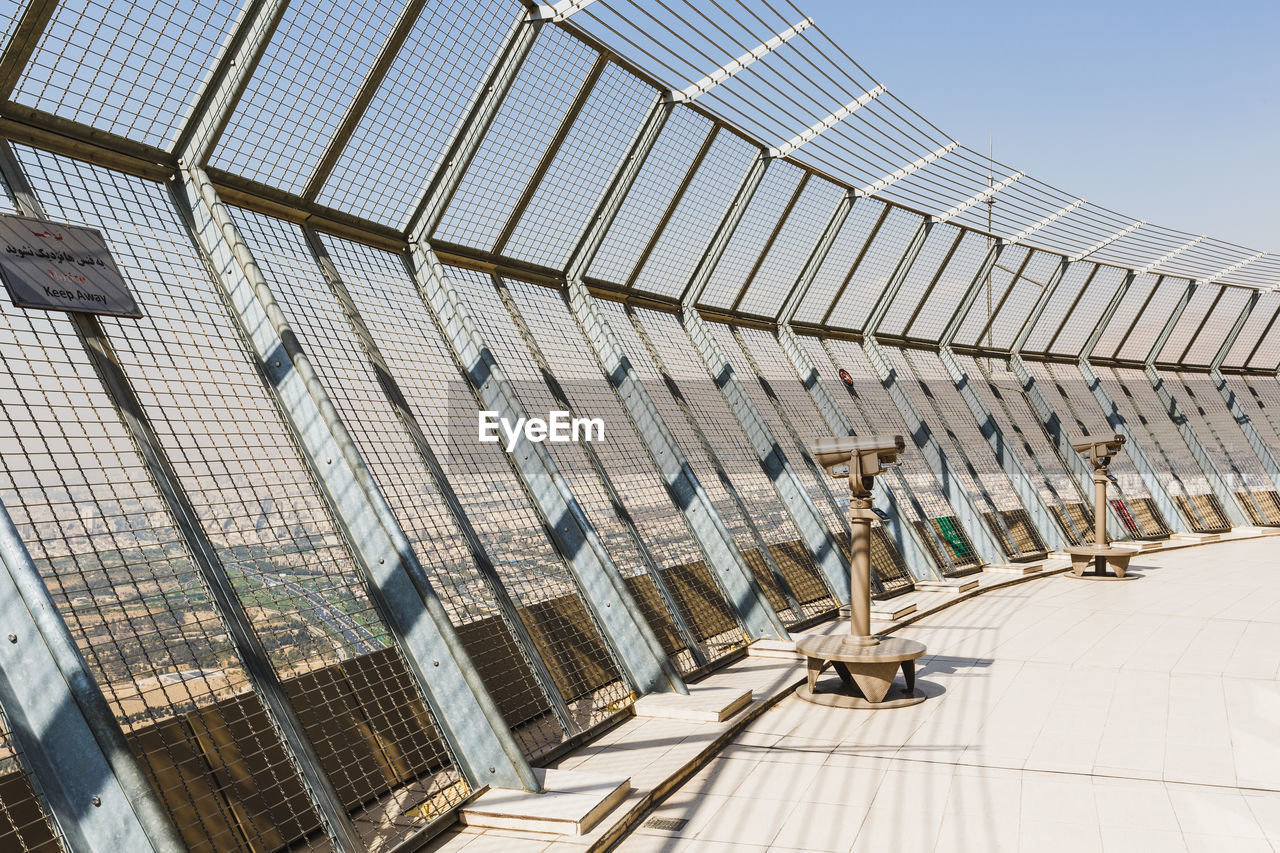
[
  {"x": 864, "y": 458},
  {"x": 1100, "y": 452}
]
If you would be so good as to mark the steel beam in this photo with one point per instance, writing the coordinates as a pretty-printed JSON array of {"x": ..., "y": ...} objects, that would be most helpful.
[
  {"x": 226, "y": 82},
  {"x": 62, "y": 726},
  {"x": 905, "y": 536},
  {"x": 966, "y": 513},
  {"x": 1041, "y": 516},
  {"x": 641, "y": 656},
  {"x": 817, "y": 538},
  {"x": 483, "y": 745},
  {"x": 1134, "y": 449}
]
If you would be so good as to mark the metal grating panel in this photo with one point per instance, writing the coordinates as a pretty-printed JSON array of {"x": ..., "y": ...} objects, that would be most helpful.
[
  {"x": 399, "y": 142},
  {"x": 868, "y": 281},
  {"x": 1014, "y": 306},
  {"x": 473, "y": 599},
  {"x": 641, "y": 213},
  {"x": 310, "y": 72},
  {"x": 750, "y": 238},
  {"x": 839, "y": 263},
  {"x": 491, "y": 494},
  {"x": 779, "y": 269},
  {"x": 525, "y": 125},
  {"x": 1217, "y": 327},
  {"x": 1132, "y": 393},
  {"x": 132, "y": 69},
  {"x": 566, "y": 197},
  {"x": 687, "y": 233}
]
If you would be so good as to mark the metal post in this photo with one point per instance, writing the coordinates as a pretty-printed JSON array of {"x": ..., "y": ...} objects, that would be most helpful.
[
  {"x": 638, "y": 650},
  {"x": 817, "y": 538},
  {"x": 1230, "y": 503},
  {"x": 1260, "y": 446},
  {"x": 66, "y": 732},
  {"x": 966, "y": 513},
  {"x": 468, "y": 718},
  {"x": 905, "y": 536},
  {"x": 723, "y": 557},
  {"x": 1041, "y": 516}
]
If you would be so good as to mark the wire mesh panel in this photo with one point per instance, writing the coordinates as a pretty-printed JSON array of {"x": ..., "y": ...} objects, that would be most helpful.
[
  {"x": 997, "y": 289},
  {"x": 682, "y": 365},
  {"x": 701, "y": 456},
  {"x": 1186, "y": 483},
  {"x": 577, "y": 461},
  {"x": 1259, "y": 399},
  {"x": 1001, "y": 393},
  {"x": 778, "y": 269},
  {"x": 995, "y": 323},
  {"x": 650, "y": 197},
  {"x": 765, "y": 212},
  {"x": 1132, "y": 304},
  {"x": 1071, "y": 400},
  {"x": 260, "y": 508},
  {"x": 1085, "y": 313},
  {"x": 1226, "y": 444},
  {"x": 567, "y": 195},
  {"x": 865, "y": 401},
  {"x": 25, "y": 826},
  {"x": 926, "y": 381},
  {"x": 1256, "y": 331},
  {"x": 130, "y": 68},
  {"x": 474, "y": 598},
  {"x": 1197, "y": 337},
  {"x": 799, "y": 420},
  {"x": 626, "y": 462},
  {"x": 863, "y": 221},
  {"x": 1151, "y": 319},
  {"x": 862, "y": 289},
  {"x": 933, "y": 290},
  {"x": 311, "y": 71},
  {"x": 554, "y": 72},
  {"x": 533, "y": 573},
  {"x": 399, "y": 141},
  {"x": 687, "y": 232},
  {"x": 1072, "y": 285}
]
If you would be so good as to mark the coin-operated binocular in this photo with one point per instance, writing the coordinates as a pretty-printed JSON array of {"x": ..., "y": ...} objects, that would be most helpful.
[
  {"x": 1099, "y": 453},
  {"x": 861, "y": 458}
]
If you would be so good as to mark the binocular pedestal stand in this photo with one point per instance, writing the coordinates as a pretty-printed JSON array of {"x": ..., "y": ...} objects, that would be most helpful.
[
  {"x": 866, "y": 664},
  {"x": 1100, "y": 554}
]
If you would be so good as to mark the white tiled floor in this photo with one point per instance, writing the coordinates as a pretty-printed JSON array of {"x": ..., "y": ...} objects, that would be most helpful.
[{"x": 1069, "y": 716}]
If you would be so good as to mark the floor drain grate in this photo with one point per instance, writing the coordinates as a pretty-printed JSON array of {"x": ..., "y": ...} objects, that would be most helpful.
[{"x": 672, "y": 824}]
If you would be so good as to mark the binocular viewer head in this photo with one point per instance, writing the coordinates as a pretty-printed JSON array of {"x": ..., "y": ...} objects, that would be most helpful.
[
  {"x": 1100, "y": 452},
  {"x": 862, "y": 458}
]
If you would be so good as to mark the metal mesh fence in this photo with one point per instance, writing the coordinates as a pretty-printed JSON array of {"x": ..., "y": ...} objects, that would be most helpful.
[
  {"x": 703, "y": 459},
  {"x": 259, "y": 508},
  {"x": 1151, "y": 319},
  {"x": 660, "y": 184},
  {"x": 677, "y": 569},
  {"x": 128, "y": 68},
  {"x": 25, "y": 827},
  {"x": 1132, "y": 305},
  {"x": 499, "y": 507},
  {"x": 715, "y": 421},
  {"x": 1085, "y": 312},
  {"x": 863, "y": 223},
  {"x": 406, "y": 468},
  {"x": 1255, "y": 335},
  {"x": 935, "y": 254},
  {"x": 858, "y": 293}
]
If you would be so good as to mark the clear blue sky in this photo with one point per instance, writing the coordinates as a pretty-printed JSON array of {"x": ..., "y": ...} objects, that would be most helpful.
[{"x": 1164, "y": 111}]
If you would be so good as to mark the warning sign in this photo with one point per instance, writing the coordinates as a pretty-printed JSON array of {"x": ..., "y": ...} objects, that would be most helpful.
[{"x": 61, "y": 268}]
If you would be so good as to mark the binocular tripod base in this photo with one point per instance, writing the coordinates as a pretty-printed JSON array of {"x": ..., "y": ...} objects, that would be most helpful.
[{"x": 866, "y": 672}]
